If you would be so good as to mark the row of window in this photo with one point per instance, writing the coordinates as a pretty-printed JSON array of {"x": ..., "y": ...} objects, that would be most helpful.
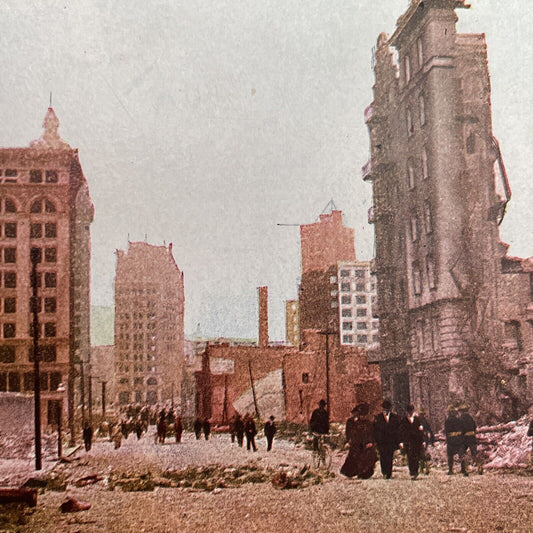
[
  {"x": 135, "y": 291},
  {"x": 136, "y": 368},
  {"x": 428, "y": 222},
  {"x": 421, "y": 115},
  {"x": 431, "y": 273},
  {"x": 124, "y": 397},
  {"x": 359, "y": 325},
  {"x": 48, "y": 353},
  {"x": 48, "y": 230},
  {"x": 40, "y": 176},
  {"x": 347, "y": 273},
  {"x": 46, "y": 329},
  {"x": 11, "y": 381},
  {"x": 125, "y": 356},
  {"x": 360, "y": 339},
  {"x": 418, "y": 52},
  {"x": 38, "y": 206}
]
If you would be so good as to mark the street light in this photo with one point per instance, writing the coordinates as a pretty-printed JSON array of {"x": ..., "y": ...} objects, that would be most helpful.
[{"x": 61, "y": 389}]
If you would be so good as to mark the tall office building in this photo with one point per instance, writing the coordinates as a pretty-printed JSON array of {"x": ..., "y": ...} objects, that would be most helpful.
[
  {"x": 45, "y": 207},
  {"x": 149, "y": 328},
  {"x": 440, "y": 191}
]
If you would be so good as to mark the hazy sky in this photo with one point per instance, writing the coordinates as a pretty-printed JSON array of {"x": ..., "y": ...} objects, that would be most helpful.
[{"x": 206, "y": 123}]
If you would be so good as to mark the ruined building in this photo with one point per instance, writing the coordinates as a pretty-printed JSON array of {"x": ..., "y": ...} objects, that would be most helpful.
[
  {"x": 149, "y": 329},
  {"x": 447, "y": 293},
  {"x": 45, "y": 208}
]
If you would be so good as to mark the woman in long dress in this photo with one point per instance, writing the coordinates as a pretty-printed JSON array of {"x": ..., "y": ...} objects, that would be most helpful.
[{"x": 362, "y": 456}]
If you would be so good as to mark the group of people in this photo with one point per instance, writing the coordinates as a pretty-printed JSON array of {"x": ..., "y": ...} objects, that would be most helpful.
[{"x": 241, "y": 427}]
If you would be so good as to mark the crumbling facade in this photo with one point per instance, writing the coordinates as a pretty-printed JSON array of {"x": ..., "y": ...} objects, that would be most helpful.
[
  {"x": 149, "y": 328},
  {"x": 440, "y": 191},
  {"x": 45, "y": 209}
]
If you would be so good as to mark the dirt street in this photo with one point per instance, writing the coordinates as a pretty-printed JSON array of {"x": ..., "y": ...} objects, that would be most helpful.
[{"x": 495, "y": 501}]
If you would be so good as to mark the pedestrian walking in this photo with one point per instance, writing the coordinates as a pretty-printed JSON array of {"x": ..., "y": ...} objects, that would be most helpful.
[
  {"x": 454, "y": 438},
  {"x": 319, "y": 422},
  {"x": 386, "y": 435},
  {"x": 411, "y": 439},
  {"x": 139, "y": 427},
  {"x": 232, "y": 428},
  {"x": 87, "y": 435},
  {"x": 178, "y": 428},
  {"x": 197, "y": 428},
  {"x": 206, "y": 428},
  {"x": 250, "y": 431},
  {"x": 162, "y": 427},
  {"x": 468, "y": 429},
  {"x": 362, "y": 455},
  {"x": 239, "y": 429},
  {"x": 116, "y": 436},
  {"x": 429, "y": 440},
  {"x": 270, "y": 430}
]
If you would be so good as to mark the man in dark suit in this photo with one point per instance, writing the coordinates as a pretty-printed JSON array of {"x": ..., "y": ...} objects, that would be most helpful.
[
  {"x": 386, "y": 434},
  {"x": 412, "y": 439}
]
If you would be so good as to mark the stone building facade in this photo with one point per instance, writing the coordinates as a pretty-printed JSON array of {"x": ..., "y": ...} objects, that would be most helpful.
[
  {"x": 440, "y": 192},
  {"x": 45, "y": 207},
  {"x": 149, "y": 328}
]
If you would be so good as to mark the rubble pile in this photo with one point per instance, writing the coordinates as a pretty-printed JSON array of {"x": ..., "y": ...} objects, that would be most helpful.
[
  {"x": 214, "y": 477},
  {"x": 21, "y": 445},
  {"x": 500, "y": 446}
]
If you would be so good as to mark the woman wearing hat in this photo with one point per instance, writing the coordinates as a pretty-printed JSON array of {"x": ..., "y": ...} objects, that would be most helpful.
[{"x": 362, "y": 456}]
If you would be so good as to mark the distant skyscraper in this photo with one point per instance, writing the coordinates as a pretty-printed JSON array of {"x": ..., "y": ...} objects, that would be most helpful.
[
  {"x": 44, "y": 205},
  {"x": 149, "y": 329}
]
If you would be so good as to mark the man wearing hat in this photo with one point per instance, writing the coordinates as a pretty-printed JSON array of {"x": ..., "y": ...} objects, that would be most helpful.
[
  {"x": 270, "y": 430},
  {"x": 454, "y": 438},
  {"x": 386, "y": 435},
  {"x": 468, "y": 429},
  {"x": 319, "y": 422},
  {"x": 412, "y": 439}
]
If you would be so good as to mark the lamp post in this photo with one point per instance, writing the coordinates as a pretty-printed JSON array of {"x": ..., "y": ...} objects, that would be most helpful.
[
  {"x": 61, "y": 389},
  {"x": 35, "y": 257}
]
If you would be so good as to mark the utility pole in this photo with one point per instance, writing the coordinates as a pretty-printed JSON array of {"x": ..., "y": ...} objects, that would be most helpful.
[
  {"x": 103, "y": 399},
  {"x": 35, "y": 257},
  {"x": 82, "y": 392},
  {"x": 327, "y": 333},
  {"x": 253, "y": 388}
]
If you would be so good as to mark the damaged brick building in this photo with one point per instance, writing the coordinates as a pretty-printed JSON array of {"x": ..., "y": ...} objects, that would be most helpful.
[{"x": 455, "y": 312}]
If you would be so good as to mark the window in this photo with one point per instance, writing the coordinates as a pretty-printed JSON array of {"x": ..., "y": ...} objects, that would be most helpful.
[
  {"x": 49, "y": 329},
  {"x": 50, "y": 230},
  {"x": 7, "y": 354},
  {"x": 9, "y": 206},
  {"x": 333, "y": 279},
  {"x": 346, "y": 299},
  {"x": 345, "y": 273},
  {"x": 13, "y": 379},
  {"x": 359, "y": 273},
  {"x": 414, "y": 228},
  {"x": 50, "y": 279},
  {"x": 417, "y": 279},
  {"x": 51, "y": 176},
  {"x": 50, "y": 255},
  {"x": 28, "y": 381},
  {"x": 361, "y": 325},
  {"x": 347, "y": 339},
  {"x": 49, "y": 207},
  {"x": 362, "y": 339},
  {"x": 409, "y": 118},
  {"x": 36, "y": 231},
  {"x": 50, "y": 305},
  {"x": 8, "y": 330},
  {"x": 410, "y": 174},
  {"x": 305, "y": 377},
  {"x": 471, "y": 143},
  {"x": 55, "y": 380},
  {"x": 422, "y": 109},
  {"x": 407, "y": 68},
  {"x": 151, "y": 381},
  {"x": 420, "y": 52},
  {"x": 10, "y": 230},
  {"x": 347, "y": 313},
  {"x": 420, "y": 336},
  {"x": 431, "y": 272},
  {"x": 425, "y": 173},
  {"x": 361, "y": 311},
  {"x": 10, "y": 305},
  {"x": 345, "y": 287},
  {"x": 360, "y": 287},
  {"x": 360, "y": 299},
  {"x": 11, "y": 173},
  {"x": 36, "y": 176},
  {"x": 10, "y": 280},
  {"x": 10, "y": 255},
  {"x": 138, "y": 380},
  {"x": 3, "y": 381},
  {"x": 347, "y": 325},
  {"x": 428, "y": 218},
  {"x": 513, "y": 333},
  {"x": 48, "y": 354}
]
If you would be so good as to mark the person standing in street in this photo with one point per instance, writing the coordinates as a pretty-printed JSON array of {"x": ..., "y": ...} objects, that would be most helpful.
[
  {"x": 468, "y": 429},
  {"x": 87, "y": 435},
  {"x": 250, "y": 431},
  {"x": 270, "y": 430},
  {"x": 362, "y": 456},
  {"x": 239, "y": 429},
  {"x": 198, "y": 428},
  {"x": 386, "y": 435},
  {"x": 206, "y": 427},
  {"x": 411, "y": 439},
  {"x": 178, "y": 428},
  {"x": 429, "y": 440},
  {"x": 454, "y": 438}
]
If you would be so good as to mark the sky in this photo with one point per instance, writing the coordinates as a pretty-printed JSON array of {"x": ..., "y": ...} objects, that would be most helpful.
[{"x": 206, "y": 123}]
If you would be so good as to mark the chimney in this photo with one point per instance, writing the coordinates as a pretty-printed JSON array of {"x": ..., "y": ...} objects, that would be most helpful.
[{"x": 263, "y": 316}]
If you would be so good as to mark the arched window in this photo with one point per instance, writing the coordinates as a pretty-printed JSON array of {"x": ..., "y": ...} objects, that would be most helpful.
[
  {"x": 151, "y": 381},
  {"x": 42, "y": 206},
  {"x": 9, "y": 206}
]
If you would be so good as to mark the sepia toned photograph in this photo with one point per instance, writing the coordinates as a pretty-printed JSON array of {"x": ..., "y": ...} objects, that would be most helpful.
[{"x": 266, "y": 266}]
